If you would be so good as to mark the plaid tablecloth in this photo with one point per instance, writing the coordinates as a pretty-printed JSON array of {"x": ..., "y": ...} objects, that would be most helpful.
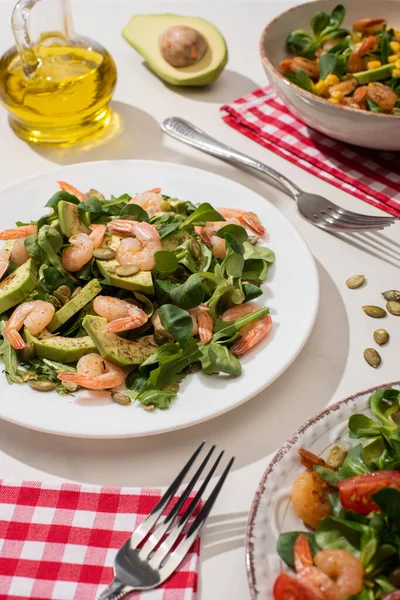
[
  {"x": 58, "y": 542},
  {"x": 370, "y": 175}
]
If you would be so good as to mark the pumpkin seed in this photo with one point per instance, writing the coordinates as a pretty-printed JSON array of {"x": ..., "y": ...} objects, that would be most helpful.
[
  {"x": 165, "y": 205},
  {"x": 104, "y": 253},
  {"x": 253, "y": 239},
  {"x": 393, "y": 307},
  {"x": 162, "y": 337},
  {"x": 374, "y": 311},
  {"x": 94, "y": 193},
  {"x": 70, "y": 386},
  {"x": 42, "y": 386},
  {"x": 173, "y": 385},
  {"x": 121, "y": 398},
  {"x": 76, "y": 292},
  {"x": 372, "y": 357},
  {"x": 336, "y": 456},
  {"x": 126, "y": 270},
  {"x": 355, "y": 281},
  {"x": 381, "y": 336},
  {"x": 26, "y": 353},
  {"x": 63, "y": 294},
  {"x": 195, "y": 249},
  {"x": 55, "y": 302},
  {"x": 111, "y": 269},
  {"x": 391, "y": 295},
  {"x": 149, "y": 407}
]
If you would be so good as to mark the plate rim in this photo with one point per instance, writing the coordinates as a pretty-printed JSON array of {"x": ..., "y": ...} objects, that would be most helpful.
[
  {"x": 292, "y": 229},
  {"x": 278, "y": 456}
]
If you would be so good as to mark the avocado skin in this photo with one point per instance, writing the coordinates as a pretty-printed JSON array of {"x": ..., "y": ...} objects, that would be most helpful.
[
  {"x": 378, "y": 74},
  {"x": 61, "y": 349},
  {"x": 90, "y": 291},
  {"x": 18, "y": 285},
  {"x": 116, "y": 349},
  {"x": 70, "y": 223}
]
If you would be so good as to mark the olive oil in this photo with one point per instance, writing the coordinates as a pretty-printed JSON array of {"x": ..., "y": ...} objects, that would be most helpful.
[{"x": 67, "y": 97}]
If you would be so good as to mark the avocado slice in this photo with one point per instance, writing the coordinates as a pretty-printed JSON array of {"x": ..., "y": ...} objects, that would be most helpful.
[
  {"x": 90, "y": 291},
  {"x": 18, "y": 285},
  {"x": 172, "y": 241},
  {"x": 60, "y": 349},
  {"x": 143, "y": 33},
  {"x": 378, "y": 74},
  {"x": 141, "y": 282},
  {"x": 116, "y": 349},
  {"x": 72, "y": 221}
]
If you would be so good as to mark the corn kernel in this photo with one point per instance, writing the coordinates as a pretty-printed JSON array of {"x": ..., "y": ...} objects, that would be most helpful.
[
  {"x": 374, "y": 64},
  {"x": 397, "y": 32},
  {"x": 321, "y": 87},
  {"x": 395, "y": 46},
  {"x": 396, "y": 73},
  {"x": 337, "y": 94},
  {"x": 334, "y": 100},
  {"x": 332, "y": 80},
  {"x": 397, "y": 64},
  {"x": 392, "y": 58}
]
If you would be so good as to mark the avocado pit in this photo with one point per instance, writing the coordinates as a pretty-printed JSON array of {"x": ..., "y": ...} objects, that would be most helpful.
[{"x": 182, "y": 46}]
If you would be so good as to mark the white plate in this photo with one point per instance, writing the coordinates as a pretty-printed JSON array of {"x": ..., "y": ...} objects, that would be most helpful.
[
  {"x": 201, "y": 398},
  {"x": 271, "y": 512}
]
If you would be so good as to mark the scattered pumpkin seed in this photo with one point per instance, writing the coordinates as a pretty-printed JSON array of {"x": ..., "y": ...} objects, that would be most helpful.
[
  {"x": 76, "y": 292},
  {"x": 104, "y": 253},
  {"x": 42, "y": 386},
  {"x": 126, "y": 270},
  {"x": 92, "y": 193},
  {"x": 173, "y": 385},
  {"x": 165, "y": 205},
  {"x": 253, "y": 239},
  {"x": 70, "y": 386},
  {"x": 121, "y": 398},
  {"x": 391, "y": 295},
  {"x": 355, "y": 281},
  {"x": 195, "y": 249},
  {"x": 374, "y": 311},
  {"x": 393, "y": 307},
  {"x": 26, "y": 353},
  {"x": 372, "y": 357},
  {"x": 381, "y": 336},
  {"x": 336, "y": 456},
  {"x": 149, "y": 407},
  {"x": 55, "y": 302},
  {"x": 162, "y": 337},
  {"x": 63, "y": 294}
]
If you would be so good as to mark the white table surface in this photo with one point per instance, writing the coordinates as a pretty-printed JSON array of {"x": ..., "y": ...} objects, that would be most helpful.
[{"x": 331, "y": 365}]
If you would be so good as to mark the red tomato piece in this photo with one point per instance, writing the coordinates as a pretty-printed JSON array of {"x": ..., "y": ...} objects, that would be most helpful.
[
  {"x": 355, "y": 492},
  {"x": 288, "y": 588}
]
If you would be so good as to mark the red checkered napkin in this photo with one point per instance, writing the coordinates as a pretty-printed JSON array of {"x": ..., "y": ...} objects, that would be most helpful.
[
  {"x": 58, "y": 542},
  {"x": 368, "y": 174}
]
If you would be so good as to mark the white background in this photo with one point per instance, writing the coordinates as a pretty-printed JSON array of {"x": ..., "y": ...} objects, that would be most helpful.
[{"x": 331, "y": 365}]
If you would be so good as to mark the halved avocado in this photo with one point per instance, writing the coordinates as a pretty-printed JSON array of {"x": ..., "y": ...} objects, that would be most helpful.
[
  {"x": 60, "y": 349},
  {"x": 90, "y": 291},
  {"x": 18, "y": 285},
  {"x": 72, "y": 221},
  {"x": 143, "y": 33},
  {"x": 116, "y": 349},
  {"x": 379, "y": 74}
]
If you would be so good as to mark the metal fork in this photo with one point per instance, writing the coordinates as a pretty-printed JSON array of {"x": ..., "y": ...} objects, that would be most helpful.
[
  {"x": 166, "y": 540},
  {"x": 316, "y": 209}
]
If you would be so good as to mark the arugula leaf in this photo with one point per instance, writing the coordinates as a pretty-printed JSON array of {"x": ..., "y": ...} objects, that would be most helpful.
[
  {"x": 177, "y": 322},
  {"x": 165, "y": 261},
  {"x": 216, "y": 358},
  {"x": 286, "y": 543},
  {"x": 190, "y": 294},
  {"x": 204, "y": 212},
  {"x": 58, "y": 197},
  {"x": 160, "y": 398},
  {"x": 135, "y": 211}
]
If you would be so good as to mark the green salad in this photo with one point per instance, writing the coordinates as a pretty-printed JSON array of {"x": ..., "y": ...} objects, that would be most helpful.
[{"x": 130, "y": 294}]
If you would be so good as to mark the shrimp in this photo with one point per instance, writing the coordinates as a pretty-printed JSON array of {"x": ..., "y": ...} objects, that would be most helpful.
[
  {"x": 355, "y": 63},
  {"x": 310, "y": 67},
  {"x": 246, "y": 219},
  {"x": 368, "y": 26},
  {"x": 309, "y": 460},
  {"x": 35, "y": 315},
  {"x": 360, "y": 96},
  {"x": 19, "y": 254},
  {"x": 383, "y": 96},
  {"x": 120, "y": 314},
  {"x": 253, "y": 332},
  {"x": 346, "y": 87},
  {"x": 151, "y": 201},
  {"x": 138, "y": 250},
  {"x": 338, "y": 574},
  {"x": 310, "y": 498},
  {"x": 95, "y": 373},
  {"x": 202, "y": 323},
  {"x": 18, "y": 232},
  {"x": 66, "y": 187},
  {"x": 80, "y": 252},
  {"x": 4, "y": 261},
  {"x": 209, "y": 237}
]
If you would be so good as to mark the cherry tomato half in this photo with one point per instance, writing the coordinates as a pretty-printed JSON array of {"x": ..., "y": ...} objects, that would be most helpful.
[
  {"x": 355, "y": 492},
  {"x": 288, "y": 588}
]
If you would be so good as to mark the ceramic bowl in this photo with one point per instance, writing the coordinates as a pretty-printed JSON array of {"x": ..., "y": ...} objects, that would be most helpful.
[{"x": 362, "y": 128}]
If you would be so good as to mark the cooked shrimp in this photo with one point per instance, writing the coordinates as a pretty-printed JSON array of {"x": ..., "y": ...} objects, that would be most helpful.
[
  {"x": 209, "y": 237},
  {"x": 138, "y": 250},
  {"x": 35, "y": 315},
  {"x": 310, "y": 498},
  {"x": 95, "y": 373},
  {"x": 80, "y": 252},
  {"x": 360, "y": 96},
  {"x": 383, "y": 96},
  {"x": 18, "y": 232},
  {"x": 368, "y": 26},
  {"x": 309, "y": 460},
  {"x": 253, "y": 332},
  {"x": 151, "y": 201},
  {"x": 355, "y": 63},
  {"x": 72, "y": 190},
  {"x": 346, "y": 87},
  {"x": 310, "y": 67},
  {"x": 338, "y": 574},
  {"x": 120, "y": 314},
  {"x": 4, "y": 261},
  {"x": 202, "y": 323},
  {"x": 19, "y": 254},
  {"x": 246, "y": 219}
]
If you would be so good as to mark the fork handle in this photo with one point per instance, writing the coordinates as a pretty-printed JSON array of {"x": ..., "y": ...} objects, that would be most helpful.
[
  {"x": 115, "y": 591},
  {"x": 190, "y": 134}
]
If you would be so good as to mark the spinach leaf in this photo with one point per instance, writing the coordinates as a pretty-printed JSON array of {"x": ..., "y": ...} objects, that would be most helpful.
[
  {"x": 216, "y": 358},
  {"x": 339, "y": 533},
  {"x": 52, "y": 279},
  {"x": 32, "y": 247},
  {"x": 9, "y": 357},
  {"x": 330, "y": 64},
  {"x": 251, "y": 291},
  {"x": 286, "y": 543},
  {"x": 235, "y": 231},
  {"x": 354, "y": 463},
  {"x": 389, "y": 501},
  {"x": 302, "y": 44},
  {"x": 92, "y": 205},
  {"x": 258, "y": 252},
  {"x": 168, "y": 229},
  {"x": 337, "y": 16},
  {"x": 255, "y": 270},
  {"x": 204, "y": 212},
  {"x": 165, "y": 261},
  {"x": 319, "y": 22},
  {"x": 177, "y": 322},
  {"x": 46, "y": 241},
  {"x": 163, "y": 289},
  {"x": 135, "y": 211},
  {"x": 362, "y": 426},
  {"x": 58, "y": 197},
  {"x": 189, "y": 294},
  {"x": 301, "y": 79},
  {"x": 327, "y": 475}
]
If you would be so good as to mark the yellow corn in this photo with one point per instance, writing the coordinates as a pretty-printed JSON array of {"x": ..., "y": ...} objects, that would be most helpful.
[
  {"x": 337, "y": 94},
  {"x": 321, "y": 87},
  {"x": 332, "y": 80},
  {"x": 393, "y": 58},
  {"x": 374, "y": 64},
  {"x": 397, "y": 64},
  {"x": 395, "y": 46},
  {"x": 334, "y": 100},
  {"x": 396, "y": 73},
  {"x": 397, "y": 32}
]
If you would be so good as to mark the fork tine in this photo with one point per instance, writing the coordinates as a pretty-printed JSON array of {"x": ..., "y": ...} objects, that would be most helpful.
[
  {"x": 334, "y": 209},
  {"x": 347, "y": 216},
  {"x": 338, "y": 228},
  {"x": 144, "y": 528}
]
